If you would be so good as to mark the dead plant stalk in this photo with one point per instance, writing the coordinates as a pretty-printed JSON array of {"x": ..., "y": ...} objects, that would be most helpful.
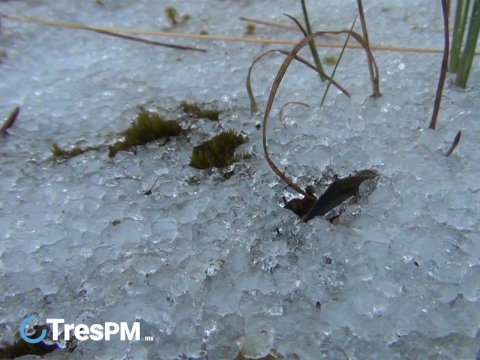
[{"x": 278, "y": 79}]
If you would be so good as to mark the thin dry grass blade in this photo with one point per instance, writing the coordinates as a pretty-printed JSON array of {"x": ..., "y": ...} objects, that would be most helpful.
[
  {"x": 149, "y": 42},
  {"x": 443, "y": 69},
  {"x": 281, "y": 26},
  {"x": 338, "y": 62},
  {"x": 278, "y": 79},
  {"x": 248, "y": 83},
  {"x": 312, "y": 46},
  {"x": 375, "y": 85},
  {"x": 280, "y": 115},
  {"x": 269, "y": 23},
  {"x": 10, "y": 120},
  {"x": 300, "y": 27},
  {"x": 403, "y": 49},
  {"x": 374, "y": 77},
  {"x": 104, "y": 31},
  {"x": 454, "y": 144}
]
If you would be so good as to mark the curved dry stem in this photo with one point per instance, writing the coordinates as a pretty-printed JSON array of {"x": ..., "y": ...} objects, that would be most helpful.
[
  {"x": 443, "y": 69},
  {"x": 289, "y": 103},
  {"x": 297, "y": 23},
  {"x": 313, "y": 48},
  {"x": 276, "y": 84},
  {"x": 248, "y": 83},
  {"x": 365, "y": 36}
]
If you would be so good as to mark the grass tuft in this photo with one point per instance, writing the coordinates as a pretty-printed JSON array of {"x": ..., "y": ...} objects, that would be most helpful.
[
  {"x": 459, "y": 26},
  {"x": 463, "y": 62}
]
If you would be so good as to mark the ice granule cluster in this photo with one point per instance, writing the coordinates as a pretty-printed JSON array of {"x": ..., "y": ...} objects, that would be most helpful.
[{"x": 213, "y": 267}]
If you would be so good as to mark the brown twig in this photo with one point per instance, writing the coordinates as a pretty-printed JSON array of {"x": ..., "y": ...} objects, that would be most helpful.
[
  {"x": 443, "y": 69},
  {"x": 248, "y": 83},
  {"x": 145, "y": 41}
]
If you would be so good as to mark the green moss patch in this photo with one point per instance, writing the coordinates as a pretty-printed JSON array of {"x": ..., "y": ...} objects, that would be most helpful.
[
  {"x": 246, "y": 155},
  {"x": 148, "y": 127},
  {"x": 196, "y": 111},
  {"x": 217, "y": 152},
  {"x": 174, "y": 18},
  {"x": 58, "y": 152},
  {"x": 249, "y": 30},
  {"x": 330, "y": 60}
]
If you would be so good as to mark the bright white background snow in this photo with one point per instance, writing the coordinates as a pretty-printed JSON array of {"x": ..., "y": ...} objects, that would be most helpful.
[{"x": 220, "y": 265}]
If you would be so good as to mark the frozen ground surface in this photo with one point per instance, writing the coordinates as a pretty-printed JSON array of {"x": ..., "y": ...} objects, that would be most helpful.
[{"x": 218, "y": 264}]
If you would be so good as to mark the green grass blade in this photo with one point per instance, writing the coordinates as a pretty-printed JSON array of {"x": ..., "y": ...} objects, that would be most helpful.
[
  {"x": 470, "y": 45},
  {"x": 311, "y": 44},
  {"x": 338, "y": 62},
  {"x": 457, "y": 36}
]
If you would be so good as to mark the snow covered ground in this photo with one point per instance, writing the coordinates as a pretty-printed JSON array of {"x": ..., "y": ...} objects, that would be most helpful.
[{"x": 219, "y": 265}]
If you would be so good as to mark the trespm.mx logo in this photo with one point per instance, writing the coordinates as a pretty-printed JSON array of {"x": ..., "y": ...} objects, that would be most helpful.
[{"x": 82, "y": 332}]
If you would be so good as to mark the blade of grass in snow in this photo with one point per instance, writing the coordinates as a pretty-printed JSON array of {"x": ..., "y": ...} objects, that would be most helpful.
[
  {"x": 458, "y": 32},
  {"x": 466, "y": 59},
  {"x": 248, "y": 83},
  {"x": 338, "y": 62},
  {"x": 276, "y": 84},
  {"x": 443, "y": 68},
  {"x": 375, "y": 81},
  {"x": 312, "y": 46}
]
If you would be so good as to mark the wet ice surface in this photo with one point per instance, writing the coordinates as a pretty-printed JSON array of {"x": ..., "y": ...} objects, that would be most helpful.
[{"x": 219, "y": 265}]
